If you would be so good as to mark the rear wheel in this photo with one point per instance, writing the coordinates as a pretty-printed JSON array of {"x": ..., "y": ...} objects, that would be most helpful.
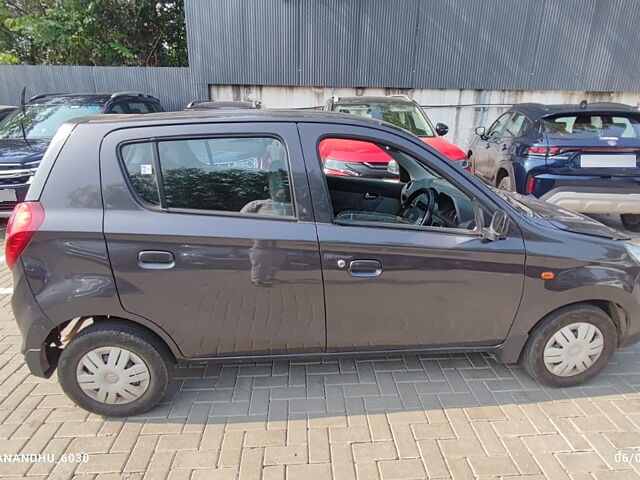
[
  {"x": 631, "y": 221},
  {"x": 114, "y": 369},
  {"x": 570, "y": 346},
  {"x": 505, "y": 183}
]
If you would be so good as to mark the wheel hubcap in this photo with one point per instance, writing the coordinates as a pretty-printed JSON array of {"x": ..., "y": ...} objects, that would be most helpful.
[
  {"x": 113, "y": 375},
  {"x": 573, "y": 349}
]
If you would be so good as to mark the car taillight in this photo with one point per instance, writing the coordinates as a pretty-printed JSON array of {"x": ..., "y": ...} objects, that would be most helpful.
[
  {"x": 24, "y": 222},
  {"x": 530, "y": 184},
  {"x": 542, "y": 151}
]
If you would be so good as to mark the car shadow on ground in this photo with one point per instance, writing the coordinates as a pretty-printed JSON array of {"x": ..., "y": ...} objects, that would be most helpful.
[{"x": 332, "y": 389}]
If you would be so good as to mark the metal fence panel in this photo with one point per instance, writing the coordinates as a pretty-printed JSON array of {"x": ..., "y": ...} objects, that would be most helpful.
[{"x": 173, "y": 86}]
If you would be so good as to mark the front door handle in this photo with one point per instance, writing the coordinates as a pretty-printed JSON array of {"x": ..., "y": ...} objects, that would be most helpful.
[
  {"x": 370, "y": 196},
  {"x": 365, "y": 268},
  {"x": 156, "y": 260}
]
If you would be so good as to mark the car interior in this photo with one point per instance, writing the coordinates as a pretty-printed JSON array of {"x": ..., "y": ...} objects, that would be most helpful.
[{"x": 420, "y": 197}]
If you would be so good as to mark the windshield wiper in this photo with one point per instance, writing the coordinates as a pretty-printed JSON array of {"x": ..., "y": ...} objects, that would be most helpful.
[
  {"x": 24, "y": 133},
  {"x": 24, "y": 115}
]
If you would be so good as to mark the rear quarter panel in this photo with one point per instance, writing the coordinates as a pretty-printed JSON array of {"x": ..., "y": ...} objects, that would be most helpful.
[{"x": 66, "y": 263}]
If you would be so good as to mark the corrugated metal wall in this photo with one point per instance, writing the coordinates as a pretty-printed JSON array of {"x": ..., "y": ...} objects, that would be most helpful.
[
  {"x": 173, "y": 86},
  {"x": 573, "y": 45},
  {"x": 466, "y": 44}
]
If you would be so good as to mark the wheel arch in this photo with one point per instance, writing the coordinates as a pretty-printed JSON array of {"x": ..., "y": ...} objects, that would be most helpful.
[
  {"x": 511, "y": 349},
  {"x": 53, "y": 345},
  {"x": 501, "y": 173}
]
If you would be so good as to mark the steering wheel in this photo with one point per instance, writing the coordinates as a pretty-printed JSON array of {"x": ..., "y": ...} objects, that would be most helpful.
[{"x": 418, "y": 208}]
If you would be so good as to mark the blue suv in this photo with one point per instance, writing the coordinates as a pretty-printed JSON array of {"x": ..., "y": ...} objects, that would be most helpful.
[
  {"x": 27, "y": 132},
  {"x": 582, "y": 157}
]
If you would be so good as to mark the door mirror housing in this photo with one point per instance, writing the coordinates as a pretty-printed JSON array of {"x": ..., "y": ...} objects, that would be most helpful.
[
  {"x": 498, "y": 227},
  {"x": 442, "y": 129},
  {"x": 480, "y": 131}
]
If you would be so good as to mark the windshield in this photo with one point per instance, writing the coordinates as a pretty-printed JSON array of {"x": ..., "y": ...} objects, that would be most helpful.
[
  {"x": 405, "y": 116},
  {"x": 42, "y": 121},
  {"x": 592, "y": 126}
]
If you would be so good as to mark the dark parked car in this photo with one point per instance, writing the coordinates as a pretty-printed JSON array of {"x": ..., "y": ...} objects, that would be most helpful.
[
  {"x": 217, "y": 105},
  {"x": 357, "y": 159},
  {"x": 189, "y": 237},
  {"x": 5, "y": 110},
  {"x": 26, "y": 133},
  {"x": 583, "y": 157}
]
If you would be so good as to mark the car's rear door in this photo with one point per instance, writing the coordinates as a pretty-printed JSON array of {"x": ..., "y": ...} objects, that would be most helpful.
[
  {"x": 391, "y": 287},
  {"x": 210, "y": 234}
]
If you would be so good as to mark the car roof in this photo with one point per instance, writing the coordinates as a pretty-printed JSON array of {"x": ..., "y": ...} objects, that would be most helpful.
[
  {"x": 212, "y": 104},
  {"x": 239, "y": 115},
  {"x": 536, "y": 111},
  {"x": 83, "y": 99},
  {"x": 371, "y": 99}
]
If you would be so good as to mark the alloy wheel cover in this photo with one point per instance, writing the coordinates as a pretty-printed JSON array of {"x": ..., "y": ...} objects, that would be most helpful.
[
  {"x": 112, "y": 375},
  {"x": 573, "y": 349}
]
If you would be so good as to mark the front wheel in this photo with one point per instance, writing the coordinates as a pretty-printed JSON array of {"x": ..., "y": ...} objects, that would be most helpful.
[
  {"x": 631, "y": 221},
  {"x": 114, "y": 369},
  {"x": 570, "y": 346},
  {"x": 505, "y": 184}
]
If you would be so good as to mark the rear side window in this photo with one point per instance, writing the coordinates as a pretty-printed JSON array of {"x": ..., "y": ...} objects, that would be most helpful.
[
  {"x": 138, "y": 162},
  {"x": 587, "y": 125},
  {"x": 138, "y": 107},
  {"x": 245, "y": 175}
]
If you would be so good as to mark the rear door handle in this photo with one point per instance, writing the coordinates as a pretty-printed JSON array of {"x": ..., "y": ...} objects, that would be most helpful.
[
  {"x": 156, "y": 260},
  {"x": 365, "y": 268}
]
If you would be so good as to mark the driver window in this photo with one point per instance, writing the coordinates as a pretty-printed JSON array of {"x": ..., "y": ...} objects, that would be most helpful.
[
  {"x": 402, "y": 193},
  {"x": 498, "y": 125}
]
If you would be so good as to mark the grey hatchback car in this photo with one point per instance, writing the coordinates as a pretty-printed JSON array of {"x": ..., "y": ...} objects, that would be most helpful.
[{"x": 199, "y": 236}]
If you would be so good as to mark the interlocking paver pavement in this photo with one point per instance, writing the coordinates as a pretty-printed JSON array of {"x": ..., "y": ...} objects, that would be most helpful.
[{"x": 413, "y": 416}]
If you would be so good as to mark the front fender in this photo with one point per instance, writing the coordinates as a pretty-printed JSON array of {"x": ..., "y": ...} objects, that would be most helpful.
[{"x": 589, "y": 283}]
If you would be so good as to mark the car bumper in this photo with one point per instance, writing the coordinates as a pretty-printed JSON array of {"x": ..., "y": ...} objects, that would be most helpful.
[
  {"x": 34, "y": 327},
  {"x": 594, "y": 202}
]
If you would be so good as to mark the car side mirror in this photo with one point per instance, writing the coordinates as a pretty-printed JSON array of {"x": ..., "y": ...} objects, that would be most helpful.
[
  {"x": 497, "y": 228},
  {"x": 442, "y": 129},
  {"x": 480, "y": 131}
]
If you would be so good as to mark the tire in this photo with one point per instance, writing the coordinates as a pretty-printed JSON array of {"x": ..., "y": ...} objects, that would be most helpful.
[
  {"x": 631, "y": 221},
  {"x": 505, "y": 183},
  {"x": 141, "y": 389},
  {"x": 533, "y": 357}
]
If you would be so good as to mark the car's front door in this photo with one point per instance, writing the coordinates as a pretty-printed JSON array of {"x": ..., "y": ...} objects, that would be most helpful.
[
  {"x": 388, "y": 287},
  {"x": 488, "y": 148},
  {"x": 210, "y": 234}
]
